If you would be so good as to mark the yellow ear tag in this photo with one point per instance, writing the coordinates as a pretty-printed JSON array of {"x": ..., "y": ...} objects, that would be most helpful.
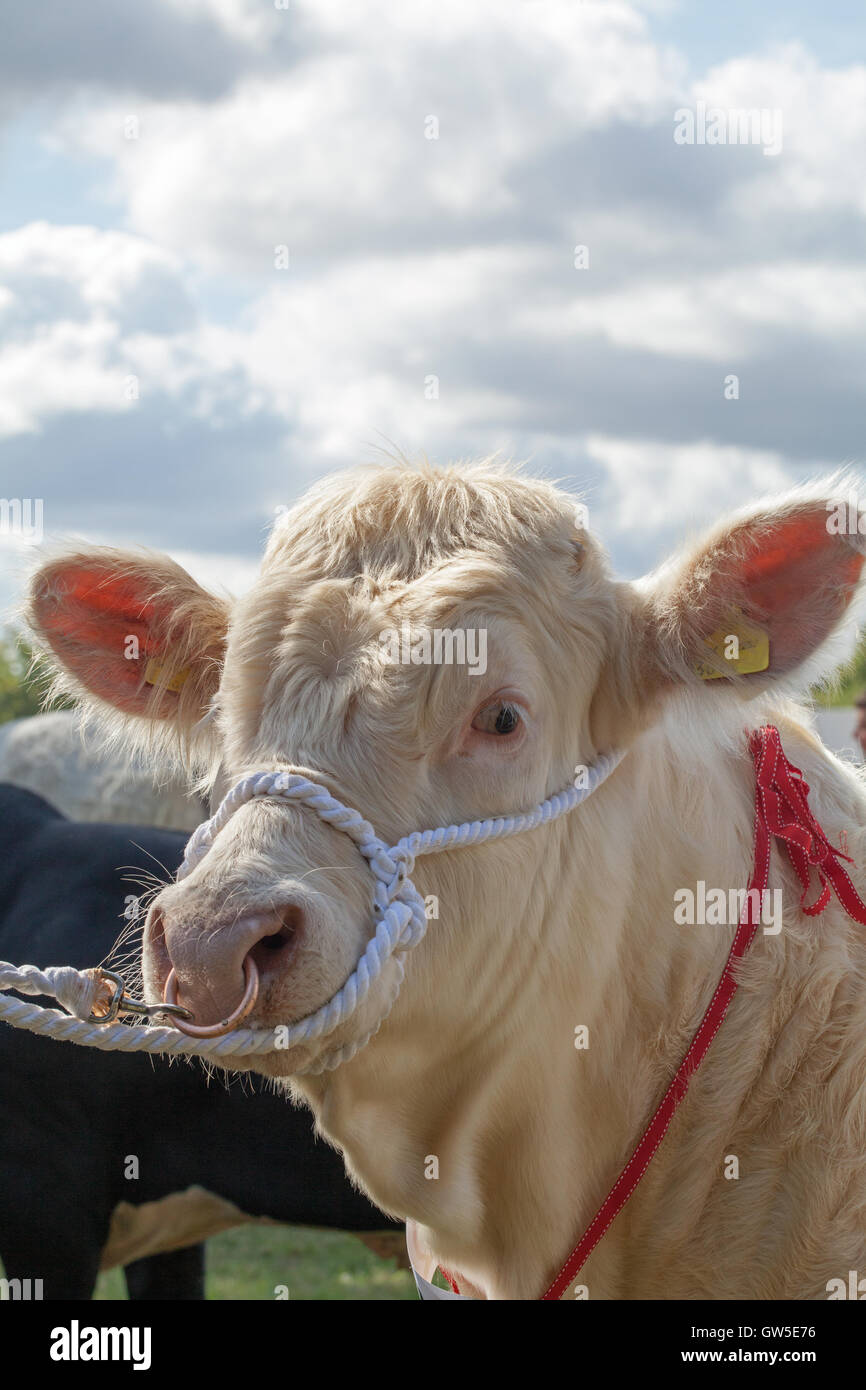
[
  {"x": 153, "y": 676},
  {"x": 740, "y": 645}
]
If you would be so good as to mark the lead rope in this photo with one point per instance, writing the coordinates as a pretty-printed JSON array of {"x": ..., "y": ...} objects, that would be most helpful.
[{"x": 400, "y": 923}]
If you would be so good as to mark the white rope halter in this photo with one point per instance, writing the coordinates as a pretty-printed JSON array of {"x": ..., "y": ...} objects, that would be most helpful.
[{"x": 400, "y": 923}]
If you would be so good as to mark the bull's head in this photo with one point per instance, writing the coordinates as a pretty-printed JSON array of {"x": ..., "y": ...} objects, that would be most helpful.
[{"x": 303, "y": 674}]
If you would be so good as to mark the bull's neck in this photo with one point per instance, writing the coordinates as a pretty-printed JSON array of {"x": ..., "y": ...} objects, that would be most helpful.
[{"x": 501, "y": 1137}]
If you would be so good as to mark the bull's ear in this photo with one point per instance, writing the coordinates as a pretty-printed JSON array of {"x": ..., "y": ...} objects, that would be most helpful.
[
  {"x": 753, "y": 603},
  {"x": 129, "y": 632}
]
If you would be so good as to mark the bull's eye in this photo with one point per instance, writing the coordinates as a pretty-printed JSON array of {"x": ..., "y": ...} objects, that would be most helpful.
[{"x": 499, "y": 718}]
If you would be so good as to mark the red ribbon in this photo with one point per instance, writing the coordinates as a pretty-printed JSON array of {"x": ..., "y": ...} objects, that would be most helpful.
[{"x": 781, "y": 810}]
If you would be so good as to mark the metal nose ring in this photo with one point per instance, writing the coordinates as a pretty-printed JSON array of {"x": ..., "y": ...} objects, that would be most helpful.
[{"x": 215, "y": 1030}]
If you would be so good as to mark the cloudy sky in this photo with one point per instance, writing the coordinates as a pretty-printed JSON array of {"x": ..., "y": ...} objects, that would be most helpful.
[{"x": 242, "y": 245}]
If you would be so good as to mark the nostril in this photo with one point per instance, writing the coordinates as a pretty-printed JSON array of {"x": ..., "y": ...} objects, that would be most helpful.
[
  {"x": 154, "y": 926},
  {"x": 154, "y": 940},
  {"x": 277, "y": 941},
  {"x": 290, "y": 922}
]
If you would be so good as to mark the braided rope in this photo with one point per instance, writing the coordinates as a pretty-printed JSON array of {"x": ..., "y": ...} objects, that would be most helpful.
[{"x": 399, "y": 910}]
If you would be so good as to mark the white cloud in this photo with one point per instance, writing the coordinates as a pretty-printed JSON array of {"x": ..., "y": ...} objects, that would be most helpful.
[
  {"x": 716, "y": 316},
  {"x": 824, "y": 123},
  {"x": 62, "y": 368},
  {"x": 351, "y": 353},
  {"x": 338, "y": 154},
  {"x": 76, "y": 304},
  {"x": 220, "y": 573},
  {"x": 248, "y": 21},
  {"x": 452, "y": 258},
  {"x": 662, "y": 487},
  {"x": 103, "y": 267}
]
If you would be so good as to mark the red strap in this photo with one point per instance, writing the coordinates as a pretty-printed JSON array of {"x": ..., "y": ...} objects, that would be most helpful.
[
  {"x": 781, "y": 809},
  {"x": 446, "y": 1274}
]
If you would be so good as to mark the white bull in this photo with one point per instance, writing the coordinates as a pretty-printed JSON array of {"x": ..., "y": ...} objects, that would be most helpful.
[
  {"x": 47, "y": 754},
  {"x": 554, "y": 996}
]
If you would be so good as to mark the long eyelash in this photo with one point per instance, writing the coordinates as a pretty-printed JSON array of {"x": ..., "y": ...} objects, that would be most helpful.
[{"x": 500, "y": 707}]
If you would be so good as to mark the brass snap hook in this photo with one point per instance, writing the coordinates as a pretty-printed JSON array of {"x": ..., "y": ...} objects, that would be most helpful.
[{"x": 106, "y": 1009}]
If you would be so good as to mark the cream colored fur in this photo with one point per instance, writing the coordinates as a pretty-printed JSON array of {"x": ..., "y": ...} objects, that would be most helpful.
[{"x": 568, "y": 925}]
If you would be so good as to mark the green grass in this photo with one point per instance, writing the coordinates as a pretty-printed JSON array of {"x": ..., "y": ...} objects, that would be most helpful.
[{"x": 249, "y": 1262}]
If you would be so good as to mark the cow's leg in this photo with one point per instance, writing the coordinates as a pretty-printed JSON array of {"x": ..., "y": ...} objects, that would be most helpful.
[
  {"x": 176, "y": 1275},
  {"x": 65, "y": 1259}
]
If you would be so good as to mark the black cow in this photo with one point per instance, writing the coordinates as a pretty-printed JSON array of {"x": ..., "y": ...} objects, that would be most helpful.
[{"x": 71, "y": 1118}]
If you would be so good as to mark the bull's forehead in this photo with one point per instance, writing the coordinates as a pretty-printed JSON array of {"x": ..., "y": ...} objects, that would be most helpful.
[
  {"x": 304, "y": 680},
  {"x": 310, "y": 677},
  {"x": 396, "y": 523}
]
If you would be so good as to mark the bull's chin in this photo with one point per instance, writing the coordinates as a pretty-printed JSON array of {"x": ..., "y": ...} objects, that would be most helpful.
[
  {"x": 282, "y": 1064},
  {"x": 279, "y": 1063}
]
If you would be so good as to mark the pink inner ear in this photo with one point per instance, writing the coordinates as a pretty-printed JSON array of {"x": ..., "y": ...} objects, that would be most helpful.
[
  {"x": 798, "y": 580},
  {"x": 87, "y": 614}
]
